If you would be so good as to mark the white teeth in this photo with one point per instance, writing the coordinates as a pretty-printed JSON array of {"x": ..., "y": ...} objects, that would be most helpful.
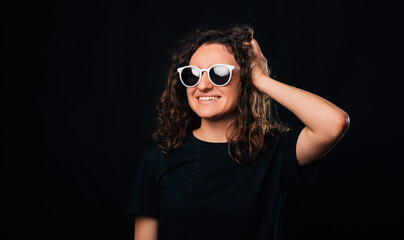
[{"x": 207, "y": 98}]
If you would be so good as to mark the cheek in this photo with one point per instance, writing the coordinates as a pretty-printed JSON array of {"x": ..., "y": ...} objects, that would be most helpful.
[
  {"x": 234, "y": 93},
  {"x": 234, "y": 99},
  {"x": 190, "y": 97}
]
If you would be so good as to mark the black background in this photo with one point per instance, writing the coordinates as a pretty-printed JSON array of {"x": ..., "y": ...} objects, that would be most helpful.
[{"x": 81, "y": 80}]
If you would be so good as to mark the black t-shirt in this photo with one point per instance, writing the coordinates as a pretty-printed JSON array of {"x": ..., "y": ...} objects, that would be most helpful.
[{"x": 199, "y": 192}]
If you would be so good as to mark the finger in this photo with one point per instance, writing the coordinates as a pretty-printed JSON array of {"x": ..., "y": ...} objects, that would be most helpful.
[
  {"x": 257, "y": 49},
  {"x": 260, "y": 55},
  {"x": 255, "y": 44}
]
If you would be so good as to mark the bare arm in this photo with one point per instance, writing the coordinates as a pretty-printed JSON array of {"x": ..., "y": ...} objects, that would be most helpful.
[
  {"x": 145, "y": 228},
  {"x": 325, "y": 123}
]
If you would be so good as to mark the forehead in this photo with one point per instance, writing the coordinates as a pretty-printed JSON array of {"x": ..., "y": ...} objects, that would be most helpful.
[{"x": 210, "y": 54}]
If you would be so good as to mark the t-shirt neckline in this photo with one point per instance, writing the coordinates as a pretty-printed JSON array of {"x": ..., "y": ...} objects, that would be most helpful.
[{"x": 205, "y": 144}]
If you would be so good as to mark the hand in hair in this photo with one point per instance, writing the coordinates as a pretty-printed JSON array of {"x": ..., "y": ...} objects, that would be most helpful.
[
  {"x": 325, "y": 123},
  {"x": 260, "y": 64}
]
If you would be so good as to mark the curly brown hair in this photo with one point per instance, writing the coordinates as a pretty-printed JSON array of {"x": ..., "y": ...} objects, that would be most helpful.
[{"x": 254, "y": 119}]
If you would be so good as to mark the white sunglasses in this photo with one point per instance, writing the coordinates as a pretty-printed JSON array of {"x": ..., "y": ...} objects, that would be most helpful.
[{"x": 219, "y": 74}]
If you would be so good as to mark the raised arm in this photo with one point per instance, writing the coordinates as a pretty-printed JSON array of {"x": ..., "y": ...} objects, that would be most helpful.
[{"x": 325, "y": 123}]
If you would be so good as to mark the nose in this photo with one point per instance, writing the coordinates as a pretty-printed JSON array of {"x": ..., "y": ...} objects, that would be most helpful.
[{"x": 205, "y": 84}]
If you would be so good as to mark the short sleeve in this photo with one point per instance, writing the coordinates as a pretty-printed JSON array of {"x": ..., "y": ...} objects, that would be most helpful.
[
  {"x": 292, "y": 173},
  {"x": 144, "y": 197}
]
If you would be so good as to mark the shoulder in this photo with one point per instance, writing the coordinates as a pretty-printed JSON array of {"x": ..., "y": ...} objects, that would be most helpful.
[
  {"x": 152, "y": 150},
  {"x": 155, "y": 152},
  {"x": 152, "y": 147},
  {"x": 280, "y": 139},
  {"x": 290, "y": 135}
]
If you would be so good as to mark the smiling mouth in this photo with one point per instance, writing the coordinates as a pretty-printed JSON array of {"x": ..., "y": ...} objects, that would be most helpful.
[{"x": 208, "y": 98}]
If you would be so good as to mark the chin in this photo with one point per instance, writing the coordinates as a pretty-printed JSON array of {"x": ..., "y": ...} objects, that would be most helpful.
[
  {"x": 207, "y": 115},
  {"x": 215, "y": 116}
]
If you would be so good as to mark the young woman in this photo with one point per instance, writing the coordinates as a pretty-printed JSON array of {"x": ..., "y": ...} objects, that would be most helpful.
[{"x": 221, "y": 165}]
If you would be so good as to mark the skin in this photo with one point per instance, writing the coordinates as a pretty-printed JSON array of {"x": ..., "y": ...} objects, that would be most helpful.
[
  {"x": 325, "y": 123},
  {"x": 145, "y": 228},
  {"x": 216, "y": 115}
]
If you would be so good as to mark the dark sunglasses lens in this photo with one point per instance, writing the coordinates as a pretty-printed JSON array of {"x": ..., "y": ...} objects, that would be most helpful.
[
  {"x": 220, "y": 75},
  {"x": 190, "y": 76}
]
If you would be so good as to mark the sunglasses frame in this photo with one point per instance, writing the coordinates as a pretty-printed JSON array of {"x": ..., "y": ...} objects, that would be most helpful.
[{"x": 231, "y": 67}]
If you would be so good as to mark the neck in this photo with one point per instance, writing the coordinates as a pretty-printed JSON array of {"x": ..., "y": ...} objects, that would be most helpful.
[{"x": 214, "y": 131}]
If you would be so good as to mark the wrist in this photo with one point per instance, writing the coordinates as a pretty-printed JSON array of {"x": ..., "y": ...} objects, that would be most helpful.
[{"x": 261, "y": 82}]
